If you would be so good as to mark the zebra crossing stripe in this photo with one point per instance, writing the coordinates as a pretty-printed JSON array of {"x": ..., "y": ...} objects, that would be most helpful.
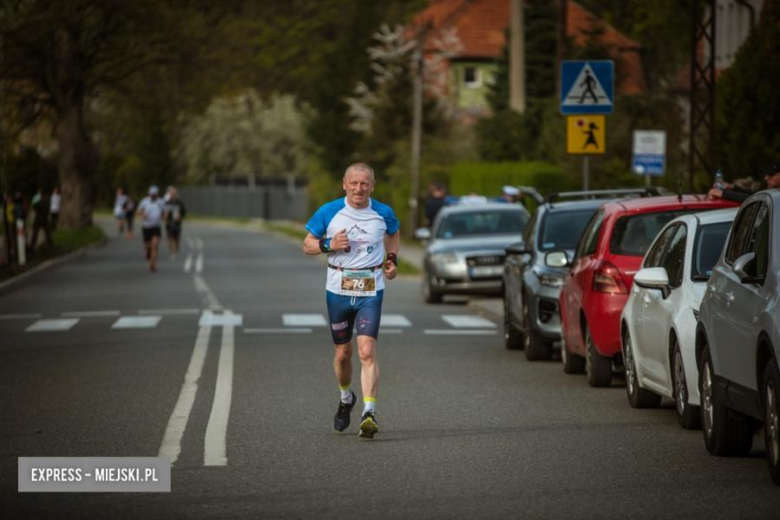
[
  {"x": 52, "y": 325},
  {"x": 395, "y": 320},
  {"x": 460, "y": 321},
  {"x": 136, "y": 322},
  {"x": 304, "y": 320}
]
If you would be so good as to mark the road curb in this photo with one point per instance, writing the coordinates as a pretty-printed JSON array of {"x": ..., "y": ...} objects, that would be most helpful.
[{"x": 12, "y": 282}]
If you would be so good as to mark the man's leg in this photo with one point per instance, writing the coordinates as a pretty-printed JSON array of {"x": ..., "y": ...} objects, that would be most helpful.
[
  {"x": 369, "y": 373},
  {"x": 153, "y": 252},
  {"x": 342, "y": 364}
]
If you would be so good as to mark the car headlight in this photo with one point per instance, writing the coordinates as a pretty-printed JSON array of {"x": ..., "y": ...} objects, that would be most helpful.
[
  {"x": 550, "y": 280},
  {"x": 444, "y": 258}
]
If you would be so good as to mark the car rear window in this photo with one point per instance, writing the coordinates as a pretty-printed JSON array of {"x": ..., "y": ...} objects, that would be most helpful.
[
  {"x": 707, "y": 249},
  {"x": 472, "y": 223},
  {"x": 633, "y": 234},
  {"x": 563, "y": 229}
]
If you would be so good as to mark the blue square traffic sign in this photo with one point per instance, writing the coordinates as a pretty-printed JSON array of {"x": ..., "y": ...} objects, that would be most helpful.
[{"x": 587, "y": 87}]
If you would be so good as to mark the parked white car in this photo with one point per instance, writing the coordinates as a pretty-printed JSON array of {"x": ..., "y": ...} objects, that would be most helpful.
[{"x": 658, "y": 324}]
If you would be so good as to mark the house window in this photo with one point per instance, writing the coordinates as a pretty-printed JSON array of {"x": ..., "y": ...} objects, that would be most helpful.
[{"x": 472, "y": 77}]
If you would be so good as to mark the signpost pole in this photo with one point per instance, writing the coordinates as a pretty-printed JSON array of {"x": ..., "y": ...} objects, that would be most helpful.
[{"x": 585, "y": 173}]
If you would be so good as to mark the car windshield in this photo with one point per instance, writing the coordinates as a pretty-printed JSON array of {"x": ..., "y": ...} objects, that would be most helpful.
[
  {"x": 482, "y": 222},
  {"x": 633, "y": 235},
  {"x": 707, "y": 249},
  {"x": 562, "y": 229}
]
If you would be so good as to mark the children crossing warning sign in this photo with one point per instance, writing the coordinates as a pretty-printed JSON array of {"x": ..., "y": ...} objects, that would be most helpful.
[
  {"x": 586, "y": 135},
  {"x": 587, "y": 87}
]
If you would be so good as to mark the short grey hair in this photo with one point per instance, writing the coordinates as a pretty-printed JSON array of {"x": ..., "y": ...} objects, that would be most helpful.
[{"x": 360, "y": 166}]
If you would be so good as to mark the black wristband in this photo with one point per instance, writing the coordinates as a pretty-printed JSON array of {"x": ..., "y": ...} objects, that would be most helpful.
[
  {"x": 392, "y": 257},
  {"x": 325, "y": 245}
]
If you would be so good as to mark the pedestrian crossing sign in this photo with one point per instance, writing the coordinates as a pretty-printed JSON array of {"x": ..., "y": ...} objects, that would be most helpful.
[
  {"x": 587, "y": 87},
  {"x": 586, "y": 135}
]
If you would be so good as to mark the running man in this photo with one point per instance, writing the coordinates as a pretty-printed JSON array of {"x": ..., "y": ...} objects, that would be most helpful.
[
  {"x": 174, "y": 213},
  {"x": 355, "y": 232},
  {"x": 151, "y": 210}
]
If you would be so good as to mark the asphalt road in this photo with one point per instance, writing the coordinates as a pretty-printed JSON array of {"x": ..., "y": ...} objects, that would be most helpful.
[{"x": 468, "y": 429}]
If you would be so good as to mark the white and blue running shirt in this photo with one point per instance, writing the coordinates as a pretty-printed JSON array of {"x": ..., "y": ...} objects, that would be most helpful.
[{"x": 366, "y": 229}]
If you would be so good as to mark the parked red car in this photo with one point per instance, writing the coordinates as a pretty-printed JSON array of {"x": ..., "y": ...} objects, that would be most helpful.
[{"x": 602, "y": 271}]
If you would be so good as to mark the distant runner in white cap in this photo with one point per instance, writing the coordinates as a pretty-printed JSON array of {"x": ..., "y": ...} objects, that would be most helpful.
[{"x": 151, "y": 210}]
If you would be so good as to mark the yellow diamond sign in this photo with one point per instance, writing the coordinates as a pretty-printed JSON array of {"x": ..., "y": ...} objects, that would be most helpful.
[{"x": 586, "y": 134}]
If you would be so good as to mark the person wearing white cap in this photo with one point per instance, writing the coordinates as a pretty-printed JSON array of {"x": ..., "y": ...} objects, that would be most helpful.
[
  {"x": 151, "y": 210},
  {"x": 510, "y": 193}
]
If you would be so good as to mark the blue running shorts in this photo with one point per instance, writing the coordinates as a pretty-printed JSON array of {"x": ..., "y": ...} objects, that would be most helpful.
[{"x": 353, "y": 312}]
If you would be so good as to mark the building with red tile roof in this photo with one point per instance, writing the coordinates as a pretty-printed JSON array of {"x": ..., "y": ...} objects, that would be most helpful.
[{"x": 481, "y": 27}]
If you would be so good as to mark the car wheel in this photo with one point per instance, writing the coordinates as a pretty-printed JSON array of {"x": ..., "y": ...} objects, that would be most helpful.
[
  {"x": 688, "y": 414},
  {"x": 771, "y": 385},
  {"x": 535, "y": 347},
  {"x": 598, "y": 367},
  {"x": 513, "y": 338},
  {"x": 725, "y": 432},
  {"x": 430, "y": 295},
  {"x": 637, "y": 397},
  {"x": 572, "y": 363}
]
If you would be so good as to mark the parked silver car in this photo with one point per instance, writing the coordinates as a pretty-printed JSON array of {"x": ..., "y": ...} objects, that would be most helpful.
[
  {"x": 465, "y": 248},
  {"x": 738, "y": 336}
]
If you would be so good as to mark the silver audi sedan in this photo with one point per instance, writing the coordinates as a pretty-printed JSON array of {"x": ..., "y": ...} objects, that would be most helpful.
[{"x": 465, "y": 248}]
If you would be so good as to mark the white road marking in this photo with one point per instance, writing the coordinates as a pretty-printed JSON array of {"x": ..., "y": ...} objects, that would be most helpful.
[
  {"x": 169, "y": 312},
  {"x": 304, "y": 320},
  {"x": 459, "y": 332},
  {"x": 279, "y": 331},
  {"x": 466, "y": 321},
  {"x": 136, "y": 322},
  {"x": 20, "y": 316},
  {"x": 206, "y": 294},
  {"x": 52, "y": 325},
  {"x": 390, "y": 331},
  {"x": 171, "y": 444},
  {"x": 199, "y": 263},
  {"x": 395, "y": 320},
  {"x": 221, "y": 320},
  {"x": 188, "y": 263},
  {"x": 215, "y": 449},
  {"x": 90, "y": 314}
]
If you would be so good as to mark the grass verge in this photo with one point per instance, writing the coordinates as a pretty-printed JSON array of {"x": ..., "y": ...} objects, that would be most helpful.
[{"x": 65, "y": 241}]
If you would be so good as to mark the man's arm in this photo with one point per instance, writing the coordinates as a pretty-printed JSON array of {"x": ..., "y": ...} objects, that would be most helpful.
[
  {"x": 311, "y": 244},
  {"x": 392, "y": 243}
]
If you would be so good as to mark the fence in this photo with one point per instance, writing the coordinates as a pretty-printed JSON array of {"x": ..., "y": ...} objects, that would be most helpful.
[{"x": 268, "y": 202}]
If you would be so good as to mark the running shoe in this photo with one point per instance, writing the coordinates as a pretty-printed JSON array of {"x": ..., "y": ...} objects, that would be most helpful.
[
  {"x": 341, "y": 419},
  {"x": 368, "y": 426}
]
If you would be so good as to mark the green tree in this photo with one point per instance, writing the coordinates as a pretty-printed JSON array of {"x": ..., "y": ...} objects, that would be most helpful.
[
  {"x": 748, "y": 106},
  {"x": 60, "y": 56}
]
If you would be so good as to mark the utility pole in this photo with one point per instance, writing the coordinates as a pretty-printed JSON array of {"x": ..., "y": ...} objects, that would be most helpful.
[
  {"x": 418, "y": 70},
  {"x": 516, "y": 57}
]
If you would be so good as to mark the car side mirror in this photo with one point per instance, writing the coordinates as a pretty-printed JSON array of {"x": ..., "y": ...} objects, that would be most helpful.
[
  {"x": 518, "y": 248},
  {"x": 422, "y": 234},
  {"x": 654, "y": 278},
  {"x": 557, "y": 259},
  {"x": 745, "y": 267}
]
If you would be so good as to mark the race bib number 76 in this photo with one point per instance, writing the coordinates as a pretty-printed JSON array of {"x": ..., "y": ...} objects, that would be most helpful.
[{"x": 358, "y": 282}]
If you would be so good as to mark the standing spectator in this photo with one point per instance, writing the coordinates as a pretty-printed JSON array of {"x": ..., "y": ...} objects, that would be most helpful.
[
  {"x": 119, "y": 210},
  {"x": 174, "y": 214},
  {"x": 54, "y": 208},
  {"x": 130, "y": 215},
  {"x": 41, "y": 221},
  {"x": 151, "y": 210},
  {"x": 435, "y": 201}
]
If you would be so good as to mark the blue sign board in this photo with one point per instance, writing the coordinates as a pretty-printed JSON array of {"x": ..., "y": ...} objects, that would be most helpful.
[
  {"x": 587, "y": 87},
  {"x": 647, "y": 164}
]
